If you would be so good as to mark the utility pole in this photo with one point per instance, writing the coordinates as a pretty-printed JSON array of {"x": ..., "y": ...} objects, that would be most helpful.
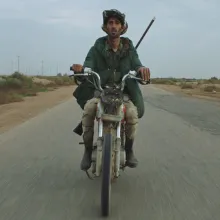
[
  {"x": 12, "y": 66},
  {"x": 42, "y": 68},
  {"x": 18, "y": 63}
]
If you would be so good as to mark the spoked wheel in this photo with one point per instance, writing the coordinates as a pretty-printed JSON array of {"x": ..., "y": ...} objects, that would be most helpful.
[{"x": 106, "y": 175}]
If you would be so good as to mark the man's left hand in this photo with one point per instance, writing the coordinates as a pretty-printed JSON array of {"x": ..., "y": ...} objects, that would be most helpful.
[{"x": 145, "y": 73}]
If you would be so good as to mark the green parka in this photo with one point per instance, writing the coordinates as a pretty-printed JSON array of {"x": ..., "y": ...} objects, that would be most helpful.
[{"x": 100, "y": 60}]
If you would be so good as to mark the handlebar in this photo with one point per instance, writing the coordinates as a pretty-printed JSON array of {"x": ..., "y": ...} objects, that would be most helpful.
[
  {"x": 71, "y": 68},
  {"x": 88, "y": 72}
]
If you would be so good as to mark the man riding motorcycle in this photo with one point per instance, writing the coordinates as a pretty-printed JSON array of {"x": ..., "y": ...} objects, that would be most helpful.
[{"x": 112, "y": 57}]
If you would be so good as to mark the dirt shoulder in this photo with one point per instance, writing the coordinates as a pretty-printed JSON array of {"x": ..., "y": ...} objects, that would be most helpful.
[
  {"x": 195, "y": 92},
  {"x": 15, "y": 113}
]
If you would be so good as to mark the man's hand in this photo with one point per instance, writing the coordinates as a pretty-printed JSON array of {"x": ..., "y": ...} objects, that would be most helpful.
[
  {"x": 145, "y": 73},
  {"x": 77, "y": 68}
]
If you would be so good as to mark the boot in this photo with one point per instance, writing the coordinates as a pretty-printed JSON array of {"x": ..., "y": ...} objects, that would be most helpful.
[
  {"x": 87, "y": 159},
  {"x": 131, "y": 160},
  {"x": 78, "y": 129}
]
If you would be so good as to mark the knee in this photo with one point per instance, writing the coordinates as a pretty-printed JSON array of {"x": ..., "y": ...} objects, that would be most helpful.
[
  {"x": 131, "y": 114},
  {"x": 89, "y": 112},
  {"x": 90, "y": 107}
]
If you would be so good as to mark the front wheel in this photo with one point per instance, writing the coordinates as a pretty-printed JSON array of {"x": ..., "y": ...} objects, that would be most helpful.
[{"x": 106, "y": 174}]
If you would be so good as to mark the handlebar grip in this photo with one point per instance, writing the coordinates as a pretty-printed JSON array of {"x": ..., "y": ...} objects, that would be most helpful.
[
  {"x": 145, "y": 82},
  {"x": 71, "y": 69}
]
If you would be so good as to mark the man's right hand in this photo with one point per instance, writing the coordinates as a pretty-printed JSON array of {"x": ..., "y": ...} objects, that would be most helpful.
[{"x": 77, "y": 68}]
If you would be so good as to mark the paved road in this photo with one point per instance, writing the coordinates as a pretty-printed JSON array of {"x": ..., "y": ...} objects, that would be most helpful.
[{"x": 178, "y": 178}]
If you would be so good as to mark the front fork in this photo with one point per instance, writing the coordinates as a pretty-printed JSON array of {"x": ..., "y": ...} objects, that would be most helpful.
[
  {"x": 117, "y": 150},
  {"x": 99, "y": 148},
  {"x": 118, "y": 155}
]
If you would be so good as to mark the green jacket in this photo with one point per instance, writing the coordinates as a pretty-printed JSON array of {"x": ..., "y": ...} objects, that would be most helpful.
[{"x": 100, "y": 60}]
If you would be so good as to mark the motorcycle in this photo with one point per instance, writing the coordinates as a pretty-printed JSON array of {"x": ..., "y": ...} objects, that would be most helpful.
[{"x": 108, "y": 156}]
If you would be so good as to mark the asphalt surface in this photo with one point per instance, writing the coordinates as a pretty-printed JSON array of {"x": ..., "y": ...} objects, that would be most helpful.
[{"x": 178, "y": 147}]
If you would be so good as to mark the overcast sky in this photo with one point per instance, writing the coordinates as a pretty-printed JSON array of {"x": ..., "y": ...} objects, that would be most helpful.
[{"x": 184, "y": 40}]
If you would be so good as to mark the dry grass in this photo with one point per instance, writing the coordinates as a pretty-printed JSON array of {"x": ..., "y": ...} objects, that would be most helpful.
[
  {"x": 212, "y": 88},
  {"x": 204, "y": 87},
  {"x": 186, "y": 86},
  {"x": 185, "y": 82},
  {"x": 15, "y": 87}
]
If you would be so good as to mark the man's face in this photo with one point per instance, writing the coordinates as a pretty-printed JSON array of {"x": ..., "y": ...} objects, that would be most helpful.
[{"x": 114, "y": 27}]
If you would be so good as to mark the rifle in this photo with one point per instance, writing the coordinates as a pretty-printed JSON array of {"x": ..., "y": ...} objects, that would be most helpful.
[{"x": 148, "y": 27}]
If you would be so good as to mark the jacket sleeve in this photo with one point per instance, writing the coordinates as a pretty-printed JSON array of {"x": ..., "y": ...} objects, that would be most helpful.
[
  {"x": 89, "y": 62},
  {"x": 90, "y": 59},
  {"x": 135, "y": 61}
]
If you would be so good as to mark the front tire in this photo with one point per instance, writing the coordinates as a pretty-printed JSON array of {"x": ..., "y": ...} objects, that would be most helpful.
[{"x": 106, "y": 175}]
